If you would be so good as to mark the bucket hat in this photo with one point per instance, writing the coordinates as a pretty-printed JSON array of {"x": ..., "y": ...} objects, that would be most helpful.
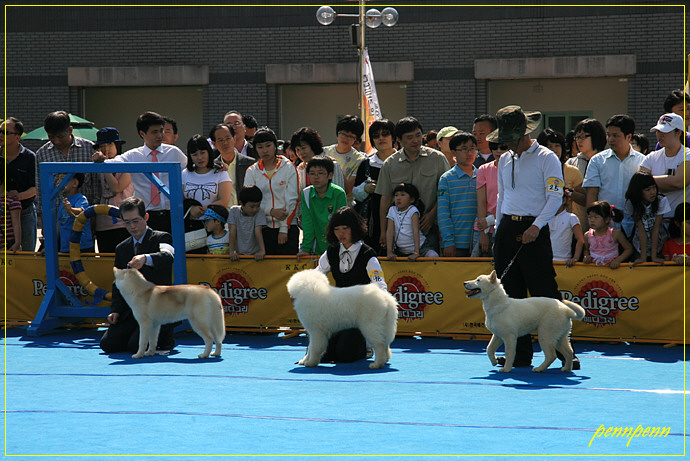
[
  {"x": 513, "y": 124},
  {"x": 107, "y": 135}
]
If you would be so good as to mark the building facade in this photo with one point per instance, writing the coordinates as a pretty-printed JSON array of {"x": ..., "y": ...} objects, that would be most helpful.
[{"x": 442, "y": 64}]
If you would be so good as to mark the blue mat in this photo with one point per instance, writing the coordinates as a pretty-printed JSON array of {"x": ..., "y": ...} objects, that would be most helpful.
[{"x": 437, "y": 397}]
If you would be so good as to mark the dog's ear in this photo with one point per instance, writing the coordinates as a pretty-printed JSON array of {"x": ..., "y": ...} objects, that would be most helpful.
[
  {"x": 493, "y": 277},
  {"x": 115, "y": 269}
]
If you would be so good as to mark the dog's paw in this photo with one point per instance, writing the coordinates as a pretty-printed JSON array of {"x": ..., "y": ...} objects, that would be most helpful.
[
  {"x": 150, "y": 353},
  {"x": 202, "y": 356},
  {"x": 538, "y": 369},
  {"x": 376, "y": 366},
  {"x": 310, "y": 363},
  {"x": 504, "y": 369},
  {"x": 493, "y": 360},
  {"x": 566, "y": 369},
  {"x": 137, "y": 356}
]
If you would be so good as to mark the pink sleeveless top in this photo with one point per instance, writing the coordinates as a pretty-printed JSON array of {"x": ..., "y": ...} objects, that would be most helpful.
[{"x": 602, "y": 248}]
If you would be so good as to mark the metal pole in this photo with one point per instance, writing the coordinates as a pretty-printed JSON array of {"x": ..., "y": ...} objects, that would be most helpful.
[{"x": 360, "y": 91}]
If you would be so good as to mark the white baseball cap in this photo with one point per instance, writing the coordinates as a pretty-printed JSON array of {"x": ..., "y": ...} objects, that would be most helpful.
[{"x": 669, "y": 122}]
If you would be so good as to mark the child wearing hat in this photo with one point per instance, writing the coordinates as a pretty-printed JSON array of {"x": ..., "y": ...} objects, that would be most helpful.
[{"x": 218, "y": 241}]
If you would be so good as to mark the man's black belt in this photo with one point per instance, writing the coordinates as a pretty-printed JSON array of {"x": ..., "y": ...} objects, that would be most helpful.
[{"x": 513, "y": 217}]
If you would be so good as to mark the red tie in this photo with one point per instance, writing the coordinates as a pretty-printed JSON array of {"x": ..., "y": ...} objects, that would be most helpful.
[{"x": 155, "y": 193}]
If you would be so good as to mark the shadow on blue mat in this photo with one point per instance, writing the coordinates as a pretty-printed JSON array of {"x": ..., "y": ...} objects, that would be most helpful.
[
  {"x": 552, "y": 378},
  {"x": 360, "y": 367}
]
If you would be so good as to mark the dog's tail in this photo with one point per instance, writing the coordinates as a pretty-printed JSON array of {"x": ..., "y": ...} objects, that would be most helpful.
[{"x": 578, "y": 311}]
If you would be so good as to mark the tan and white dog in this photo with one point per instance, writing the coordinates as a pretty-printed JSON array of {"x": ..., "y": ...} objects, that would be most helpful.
[
  {"x": 509, "y": 318},
  {"x": 155, "y": 305},
  {"x": 324, "y": 309}
]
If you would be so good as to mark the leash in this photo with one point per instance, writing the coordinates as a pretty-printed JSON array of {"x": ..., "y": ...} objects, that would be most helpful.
[{"x": 511, "y": 261}]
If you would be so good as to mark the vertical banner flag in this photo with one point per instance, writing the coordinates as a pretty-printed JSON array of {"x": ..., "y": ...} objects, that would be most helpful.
[
  {"x": 687, "y": 77},
  {"x": 370, "y": 100}
]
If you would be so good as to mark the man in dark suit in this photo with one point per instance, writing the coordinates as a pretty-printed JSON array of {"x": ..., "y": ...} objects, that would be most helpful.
[
  {"x": 151, "y": 252},
  {"x": 236, "y": 164}
]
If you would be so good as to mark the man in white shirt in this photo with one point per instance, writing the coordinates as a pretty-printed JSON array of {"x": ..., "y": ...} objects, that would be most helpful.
[
  {"x": 530, "y": 191},
  {"x": 668, "y": 163},
  {"x": 150, "y": 126},
  {"x": 609, "y": 172}
]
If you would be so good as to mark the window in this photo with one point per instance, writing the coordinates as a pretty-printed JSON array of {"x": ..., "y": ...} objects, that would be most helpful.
[{"x": 564, "y": 121}]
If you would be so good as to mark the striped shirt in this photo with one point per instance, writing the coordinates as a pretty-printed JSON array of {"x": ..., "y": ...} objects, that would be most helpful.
[
  {"x": 81, "y": 150},
  {"x": 8, "y": 205},
  {"x": 457, "y": 207}
]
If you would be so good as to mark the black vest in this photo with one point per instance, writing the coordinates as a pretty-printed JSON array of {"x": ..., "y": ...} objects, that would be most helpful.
[{"x": 357, "y": 275}]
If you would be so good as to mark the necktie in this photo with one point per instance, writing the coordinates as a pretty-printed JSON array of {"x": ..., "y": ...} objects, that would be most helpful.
[
  {"x": 155, "y": 193},
  {"x": 345, "y": 261},
  {"x": 136, "y": 248}
]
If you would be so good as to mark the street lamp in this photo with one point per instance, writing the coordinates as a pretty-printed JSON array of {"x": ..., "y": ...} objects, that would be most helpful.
[{"x": 372, "y": 18}]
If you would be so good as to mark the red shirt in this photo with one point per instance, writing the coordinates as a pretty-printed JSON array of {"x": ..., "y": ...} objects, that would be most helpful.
[{"x": 673, "y": 248}]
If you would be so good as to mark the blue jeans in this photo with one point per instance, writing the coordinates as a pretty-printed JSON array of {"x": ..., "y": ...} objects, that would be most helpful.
[{"x": 28, "y": 220}]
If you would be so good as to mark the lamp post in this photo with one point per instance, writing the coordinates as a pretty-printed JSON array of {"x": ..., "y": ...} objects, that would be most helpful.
[{"x": 372, "y": 18}]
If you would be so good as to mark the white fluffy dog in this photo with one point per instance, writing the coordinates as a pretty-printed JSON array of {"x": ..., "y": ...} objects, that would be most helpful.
[
  {"x": 324, "y": 309},
  {"x": 509, "y": 318}
]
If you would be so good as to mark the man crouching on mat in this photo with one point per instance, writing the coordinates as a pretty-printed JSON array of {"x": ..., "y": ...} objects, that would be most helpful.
[{"x": 151, "y": 252}]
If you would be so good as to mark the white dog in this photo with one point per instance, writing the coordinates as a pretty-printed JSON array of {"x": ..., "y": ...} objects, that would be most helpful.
[
  {"x": 324, "y": 309},
  {"x": 155, "y": 305},
  {"x": 509, "y": 318}
]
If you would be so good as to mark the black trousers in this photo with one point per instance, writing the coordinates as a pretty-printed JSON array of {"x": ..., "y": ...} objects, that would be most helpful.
[
  {"x": 345, "y": 346},
  {"x": 124, "y": 337},
  {"x": 291, "y": 247},
  {"x": 532, "y": 272}
]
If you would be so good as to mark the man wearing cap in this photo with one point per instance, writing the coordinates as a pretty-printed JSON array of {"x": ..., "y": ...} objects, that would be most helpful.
[
  {"x": 483, "y": 125},
  {"x": 530, "y": 191},
  {"x": 21, "y": 177},
  {"x": 609, "y": 172},
  {"x": 668, "y": 163},
  {"x": 443, "y": 139}
]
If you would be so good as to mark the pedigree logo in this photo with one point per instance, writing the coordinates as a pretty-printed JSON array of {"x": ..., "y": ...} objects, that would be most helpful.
[
  {"x": 67, "y": 277},
  {"x": 602, "y": 299},
  {"x": 236, "y": 291},
  {"x": 409, "y": 289}
]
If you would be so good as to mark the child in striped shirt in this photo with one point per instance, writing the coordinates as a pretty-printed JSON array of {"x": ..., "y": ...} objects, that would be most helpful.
[{"x": 215, "y": 217}]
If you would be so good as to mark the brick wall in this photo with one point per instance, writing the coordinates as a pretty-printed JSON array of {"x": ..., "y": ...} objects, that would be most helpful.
[{"x": 237, "y": 42}]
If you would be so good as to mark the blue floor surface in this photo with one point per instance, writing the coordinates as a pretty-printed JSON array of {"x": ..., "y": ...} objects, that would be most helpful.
[{"x": 437, "y": 397}]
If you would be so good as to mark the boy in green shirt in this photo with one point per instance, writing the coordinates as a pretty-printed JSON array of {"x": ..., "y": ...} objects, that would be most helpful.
[{"x": 319, "y": 202}]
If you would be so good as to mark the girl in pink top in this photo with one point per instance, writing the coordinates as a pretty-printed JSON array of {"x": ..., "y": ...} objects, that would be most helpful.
[
  {"x": 487, "y": 194},
  {"x": 601, "y": 240}
]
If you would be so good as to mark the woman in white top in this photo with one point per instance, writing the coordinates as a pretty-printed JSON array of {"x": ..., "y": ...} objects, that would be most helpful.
[
  {"x": 201, "y": 181},
  {"x": 276, "y": 176},
  {"x": 203, "y": 184}
]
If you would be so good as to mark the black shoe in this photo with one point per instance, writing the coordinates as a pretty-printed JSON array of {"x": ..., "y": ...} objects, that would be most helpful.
[
  {"x": 516, "y": 363},
  {"x": 166, "y": 345},
  {"x": 576, "y": 363}
]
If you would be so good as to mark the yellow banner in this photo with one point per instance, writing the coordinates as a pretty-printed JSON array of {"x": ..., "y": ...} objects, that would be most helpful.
[{"x": 644, "y": 303}]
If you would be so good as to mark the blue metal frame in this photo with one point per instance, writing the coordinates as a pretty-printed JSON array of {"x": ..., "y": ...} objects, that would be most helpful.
[{"x": 59, "y": 305}]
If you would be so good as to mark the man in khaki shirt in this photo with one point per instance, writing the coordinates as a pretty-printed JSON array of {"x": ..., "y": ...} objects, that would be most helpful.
[{"x": 414, "y": 164}]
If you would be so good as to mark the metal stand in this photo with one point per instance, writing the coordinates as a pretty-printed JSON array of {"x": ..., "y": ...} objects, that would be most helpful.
[{"x": 59, "y": 305}]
